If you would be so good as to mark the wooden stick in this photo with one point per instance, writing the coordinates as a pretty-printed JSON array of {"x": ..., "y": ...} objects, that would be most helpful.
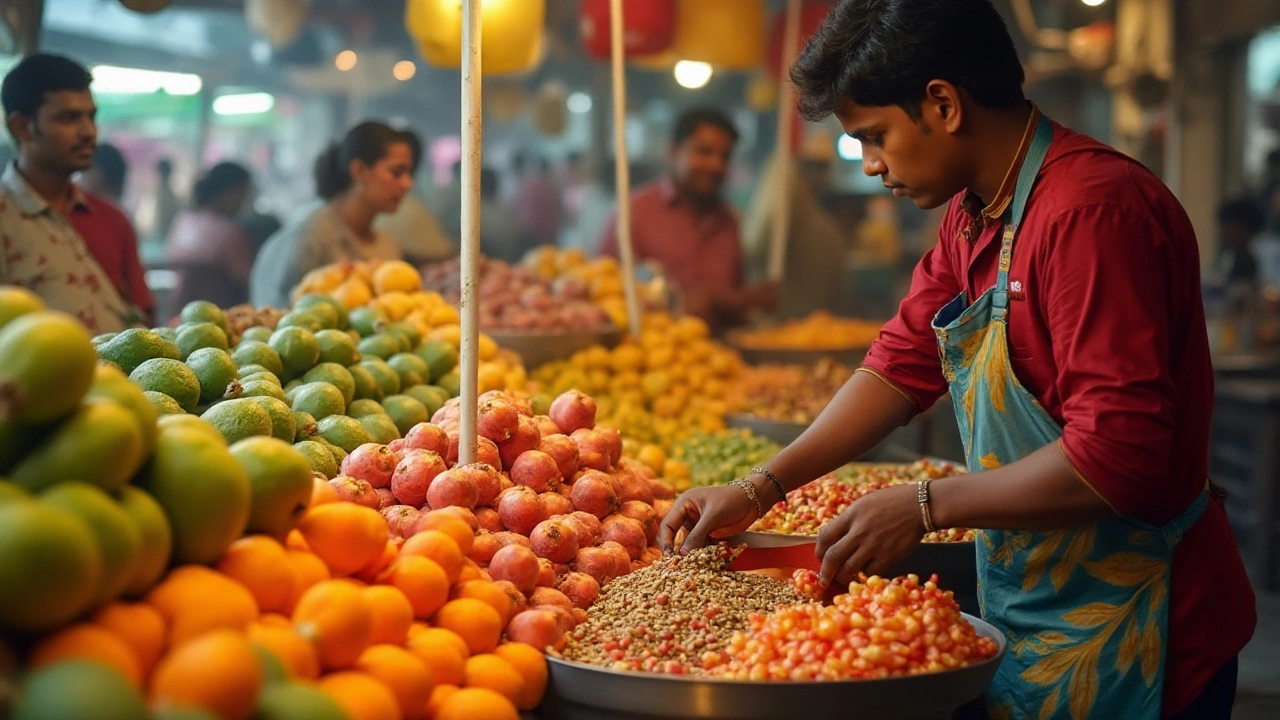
[
  {"x": 623, "y": 167},
  {"x": 469, "y": 305},
  {"x": 786, "y": 120}
]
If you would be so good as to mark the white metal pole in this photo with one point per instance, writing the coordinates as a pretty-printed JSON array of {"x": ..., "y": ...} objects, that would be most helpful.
[
  {"x": 469, "y": 305},
  {"x": 786, "y": 119},
  {"x": 623, "y": 230}
]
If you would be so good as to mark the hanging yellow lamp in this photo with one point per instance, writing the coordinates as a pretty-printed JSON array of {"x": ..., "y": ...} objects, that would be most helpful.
[
  {"x": 278, "y": 21},
  {"x": 512, "y": 33},
  {"x": 728, "y": 34}
]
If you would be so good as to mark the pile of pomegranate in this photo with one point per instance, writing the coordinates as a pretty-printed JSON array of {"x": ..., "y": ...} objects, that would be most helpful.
[
  {"x": 557, "y": 511},
  {"x": 516, "y": 298}
]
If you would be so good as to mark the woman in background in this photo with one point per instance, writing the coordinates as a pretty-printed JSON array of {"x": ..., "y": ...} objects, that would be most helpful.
[
  {"x": 365, "y": 175},
  {"x": 206, "y": 248}
]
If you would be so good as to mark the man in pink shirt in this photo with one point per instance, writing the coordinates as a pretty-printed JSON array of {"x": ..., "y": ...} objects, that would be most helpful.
[{"x": 684, "y": 224}]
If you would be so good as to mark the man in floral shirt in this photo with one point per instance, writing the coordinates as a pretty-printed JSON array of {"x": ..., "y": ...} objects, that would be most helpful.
[{"x": 50, "y": 114}]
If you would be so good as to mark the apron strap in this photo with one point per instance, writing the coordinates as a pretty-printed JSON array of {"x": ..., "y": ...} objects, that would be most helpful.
[{"x": 1027, "y": 174}]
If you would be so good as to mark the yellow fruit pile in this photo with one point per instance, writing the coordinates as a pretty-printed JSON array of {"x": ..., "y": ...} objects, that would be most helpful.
[
  {"x": 602, "y": 277},
  {"x": 672, "y": 382},
  {"x": 819, "y": 331},
  {"x": 395, "y": 289}
]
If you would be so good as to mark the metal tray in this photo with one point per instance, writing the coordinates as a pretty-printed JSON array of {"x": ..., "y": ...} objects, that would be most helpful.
[
  {"x": 955, "y": 563},
  {"x": 761, "y": 356},
  {"x": 540, "y": 348},
  {"x": 577, "y": 691},
  {"x": 782, "y": 432}
]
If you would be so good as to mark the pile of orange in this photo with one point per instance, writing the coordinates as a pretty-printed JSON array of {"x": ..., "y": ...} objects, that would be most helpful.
[{"x": 340, "y": 620}]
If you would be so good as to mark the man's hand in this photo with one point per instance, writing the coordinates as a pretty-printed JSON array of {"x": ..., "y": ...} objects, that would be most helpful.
[
  {"x": 707, "y": 514},
  {"x": 876, "y": 532}
]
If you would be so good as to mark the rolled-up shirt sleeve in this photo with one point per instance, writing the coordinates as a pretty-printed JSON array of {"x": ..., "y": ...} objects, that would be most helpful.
[
  {"x": 1108, "y": 308},
  {"x": 906, "y": 353}
]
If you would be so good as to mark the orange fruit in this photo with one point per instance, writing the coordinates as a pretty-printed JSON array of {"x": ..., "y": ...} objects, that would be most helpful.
[
  {"x": 449, "y": 524},
  {"x": 470, "y": 571},
  {"x": 322, "y": 493},
  {"x": 487, "y": 592},
  {"x": 370, "y": 572},
  {"x": 293, "y": 650},
  {"x": 422, "y": 633},
  {"x": 491, "y": 671},
  {"x": 274, "y": 620},
  {"x": 91, "y": 643},
  {"x": 260, "y": 564},
  {"x": 308, "y": 569},
  {"x": 445, "y": 662},
  {"x": 421, "y": 580},
  {"x": 476, "y": 704},
  {"x": 140, "y": 626},
  {"x": 218, "y": 671},
  {"x": 407, "y": 677},
  {"x": 336, "y": 619},
  {"x": 295, "y": 541},
  {"x": 194, "y": 600},
  {"x": 346, "y": 536},
  {"x": 474, "y": 620},
  {"x": 532, "y": 666},
  {"x": 392, "y": 614},
  {"x": 438, "y": 696},
  {"x": 361, "y": 696},
  {"x": 439, "y": 548}
]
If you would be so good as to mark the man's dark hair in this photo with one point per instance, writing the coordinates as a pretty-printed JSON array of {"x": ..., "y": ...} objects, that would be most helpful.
[
  {"x": 25, "y": 87},
  {"x": 221, "y": 179},
  {"x": 111, "y": 164},
  {"x": 164, "y": 168},
  {"x": 1243, "y": 212},
  {"x": 690, "y": 120},
  {"x": 879, "y": 53}
]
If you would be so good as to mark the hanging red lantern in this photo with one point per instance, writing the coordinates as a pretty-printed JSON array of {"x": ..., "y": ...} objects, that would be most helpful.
[
  {"x": 648, "y": 27},
  {"x": 811, "y": 16}
]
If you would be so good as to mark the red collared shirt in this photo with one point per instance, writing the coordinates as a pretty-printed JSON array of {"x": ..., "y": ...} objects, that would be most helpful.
[
  {"x": 1106, "y": 330},
  {"x": 114, "y": 244},
  {"x": 695, "y": 250}
]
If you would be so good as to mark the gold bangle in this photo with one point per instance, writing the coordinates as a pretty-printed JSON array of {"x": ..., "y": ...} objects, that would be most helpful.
[
  {"x": 750, "y": 490},
  {"x": 922, "y": 496}
]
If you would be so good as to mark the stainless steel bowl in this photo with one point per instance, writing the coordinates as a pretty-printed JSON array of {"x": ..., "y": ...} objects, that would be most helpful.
[
  {"x": 577, "y": 691},
  {"x": 540, "y": 348},
  {"x": 782, "y": 432}
]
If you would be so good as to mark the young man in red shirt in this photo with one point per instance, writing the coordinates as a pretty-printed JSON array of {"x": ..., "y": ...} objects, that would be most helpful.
[{"x": 1061, "y": 309}]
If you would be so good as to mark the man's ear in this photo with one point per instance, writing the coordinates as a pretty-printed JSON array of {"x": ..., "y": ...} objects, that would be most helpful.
[
  {"x": 20, "y": 127},
  {"x": 943, "y": 106}
]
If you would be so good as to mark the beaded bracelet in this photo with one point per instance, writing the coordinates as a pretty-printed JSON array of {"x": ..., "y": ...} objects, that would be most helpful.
[
  {"x": 777, "y": 484},
  {"x": 750, "y": 490}
]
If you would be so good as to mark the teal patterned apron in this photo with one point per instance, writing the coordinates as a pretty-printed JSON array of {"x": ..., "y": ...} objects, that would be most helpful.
[{"x": 1085, "y": 609}]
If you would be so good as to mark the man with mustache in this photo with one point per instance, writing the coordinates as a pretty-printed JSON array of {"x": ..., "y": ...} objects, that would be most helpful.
[{"x": 72, "y": 248}]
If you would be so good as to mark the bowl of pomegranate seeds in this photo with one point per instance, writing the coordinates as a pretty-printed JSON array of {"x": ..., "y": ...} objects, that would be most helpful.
[{"x": 897, "y": 648}]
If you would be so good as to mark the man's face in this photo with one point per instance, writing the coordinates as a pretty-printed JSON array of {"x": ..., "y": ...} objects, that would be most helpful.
[
  {"x": 63, "y": 135},
  {"x": 916, "y": 159},
  {"x": 701, "y": 162}
]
